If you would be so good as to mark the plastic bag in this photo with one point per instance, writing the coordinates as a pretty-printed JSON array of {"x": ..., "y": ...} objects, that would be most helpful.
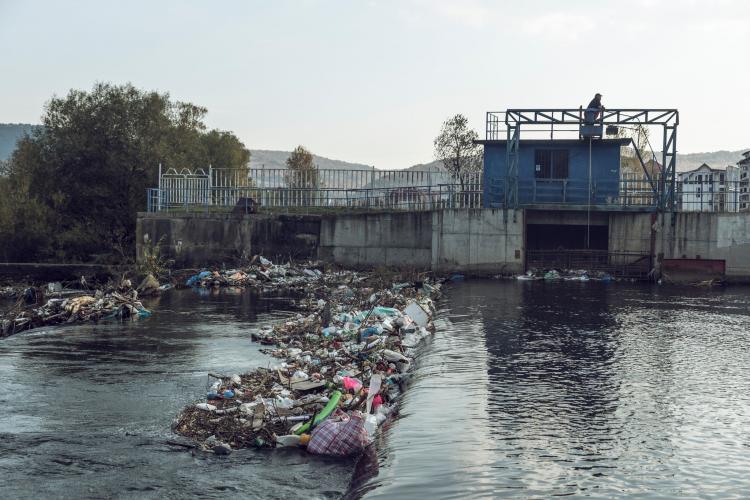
[{"x": 340, "y": 436}]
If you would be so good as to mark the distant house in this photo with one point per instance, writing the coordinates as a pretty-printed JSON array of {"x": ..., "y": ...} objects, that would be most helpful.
[
  {"x": 707, "y": 189},
  {"x": 744, "y": 182}
]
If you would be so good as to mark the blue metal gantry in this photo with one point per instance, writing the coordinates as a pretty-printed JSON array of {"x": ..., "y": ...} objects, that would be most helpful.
[{"x": 511, "y": 121}]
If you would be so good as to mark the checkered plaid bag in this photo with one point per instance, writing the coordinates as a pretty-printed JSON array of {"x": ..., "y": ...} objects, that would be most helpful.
[{"x": 339, "y": 435}]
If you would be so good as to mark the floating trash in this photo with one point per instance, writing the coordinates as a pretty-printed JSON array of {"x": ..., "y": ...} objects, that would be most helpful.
[{"x": 343, "y": 362}]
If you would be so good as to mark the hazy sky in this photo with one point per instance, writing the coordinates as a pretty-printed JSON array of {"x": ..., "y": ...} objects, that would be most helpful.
[{"x": 372, "y": 81}]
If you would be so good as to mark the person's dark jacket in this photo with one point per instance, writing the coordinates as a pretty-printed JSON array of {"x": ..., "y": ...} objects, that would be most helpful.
[{"x": 596, "y": 103}]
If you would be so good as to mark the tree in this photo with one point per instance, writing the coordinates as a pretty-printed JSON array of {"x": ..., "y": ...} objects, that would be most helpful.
[
  {"x": 303, "y": 177},
  {"x": 84, "y": 173},
  {"x": 634, "y": 186},
  {"x": 455, "y": 147},
  {"x": 639, "y": 134}
]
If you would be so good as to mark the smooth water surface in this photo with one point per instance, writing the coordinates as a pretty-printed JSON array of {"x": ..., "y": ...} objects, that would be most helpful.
[
  {"x": 527, "y": 389},
  {"x": 536, "y": 389}
]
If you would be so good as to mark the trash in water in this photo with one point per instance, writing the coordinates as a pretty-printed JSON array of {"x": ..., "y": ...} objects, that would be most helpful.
[
  {"x": 565, "y": 275},
  {"x": 119, "y": 302},
  {"x": 342, "y": 365}
]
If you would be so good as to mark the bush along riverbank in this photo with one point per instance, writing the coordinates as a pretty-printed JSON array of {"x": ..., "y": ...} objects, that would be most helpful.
[{"x": 341, "y": 370}]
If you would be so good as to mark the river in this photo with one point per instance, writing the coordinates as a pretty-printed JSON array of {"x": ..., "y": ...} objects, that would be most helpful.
[{"x": 527, "y": 389}]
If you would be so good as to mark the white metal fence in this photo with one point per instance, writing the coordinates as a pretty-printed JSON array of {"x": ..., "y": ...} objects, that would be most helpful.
[{"x": 217, "y": 189}]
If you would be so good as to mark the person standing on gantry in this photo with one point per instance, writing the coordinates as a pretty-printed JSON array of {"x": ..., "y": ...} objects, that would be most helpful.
[{"x": 593, "y": 109}]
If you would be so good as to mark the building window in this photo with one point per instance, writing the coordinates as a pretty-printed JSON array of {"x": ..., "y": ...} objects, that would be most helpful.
[{"x": 551, "y": 163}]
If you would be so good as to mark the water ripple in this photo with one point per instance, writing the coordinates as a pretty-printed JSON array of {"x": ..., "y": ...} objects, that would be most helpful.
[{"x": 538, "y": 390}]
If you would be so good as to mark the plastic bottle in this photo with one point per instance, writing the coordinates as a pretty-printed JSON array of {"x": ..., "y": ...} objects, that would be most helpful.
[
  {"x": 371, "y": 426},
  {"x": 290, "y": 440}
]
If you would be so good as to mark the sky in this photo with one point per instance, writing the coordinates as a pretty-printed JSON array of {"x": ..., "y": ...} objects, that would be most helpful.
[{"x": 372, "y": 81}]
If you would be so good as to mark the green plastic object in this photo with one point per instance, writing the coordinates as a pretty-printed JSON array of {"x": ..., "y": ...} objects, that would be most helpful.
[{"x": 332, "y": 404}]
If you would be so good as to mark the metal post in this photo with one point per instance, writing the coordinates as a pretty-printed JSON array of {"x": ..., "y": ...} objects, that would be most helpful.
[
  {"x": 588, "y": 208},
  {"x": 209, "y": 194},
  {"x": 664, "y": 172}
]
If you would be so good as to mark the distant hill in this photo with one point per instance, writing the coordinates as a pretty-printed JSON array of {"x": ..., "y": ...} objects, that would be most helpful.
[
  {"x": 433, "y": 166},
  {"x": 264, "y": 158},
  {"x": 715, "y": 159},
  {"x": 9, "y": 135},
  {"x": 269, "y": 159}
]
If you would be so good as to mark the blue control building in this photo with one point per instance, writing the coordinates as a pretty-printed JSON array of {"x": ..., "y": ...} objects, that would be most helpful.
[{"x": 564, "y": 172}]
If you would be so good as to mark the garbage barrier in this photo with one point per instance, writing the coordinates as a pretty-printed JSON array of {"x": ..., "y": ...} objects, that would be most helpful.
[{"x": 343, "y": 362}]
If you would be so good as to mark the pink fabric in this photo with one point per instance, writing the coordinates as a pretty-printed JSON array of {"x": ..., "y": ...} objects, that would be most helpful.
[
  {"x": 340, "y": 435},
  {"x": 352, "y": 383},
  {"x": 377, "y": 401}
]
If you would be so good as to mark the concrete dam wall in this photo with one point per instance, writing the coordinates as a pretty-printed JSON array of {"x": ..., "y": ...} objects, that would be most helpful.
[
  {"x": 200, "y": 240},
  {"x": 475, "y": 241},
  {"x": 478, "y": 240},
  {"x": 471, "y": 240}
]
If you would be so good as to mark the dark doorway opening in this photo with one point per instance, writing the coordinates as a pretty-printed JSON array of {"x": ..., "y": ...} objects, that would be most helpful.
[{"x": 566, "y": 237}]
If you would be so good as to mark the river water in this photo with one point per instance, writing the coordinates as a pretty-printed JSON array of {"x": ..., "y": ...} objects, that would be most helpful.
[{"x": 527, "y": 389}]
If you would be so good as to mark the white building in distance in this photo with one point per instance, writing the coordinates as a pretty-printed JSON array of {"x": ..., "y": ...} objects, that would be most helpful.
[
  {"x": 744, "y": 182},
  {"x": 707, "y": 189}
]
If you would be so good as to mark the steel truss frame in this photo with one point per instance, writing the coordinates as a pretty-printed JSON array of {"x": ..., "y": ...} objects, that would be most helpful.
[{"x": 514, "y": 119}]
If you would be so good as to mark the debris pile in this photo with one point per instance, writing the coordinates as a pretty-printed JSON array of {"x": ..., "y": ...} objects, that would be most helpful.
[
  {"x": 341, "y": 371},
  {"x": 261, "y": 273},
  {"x": 112, "y": 303},
  {"x": 10, "y": 292},
  {"x": 565, "y": 275}
]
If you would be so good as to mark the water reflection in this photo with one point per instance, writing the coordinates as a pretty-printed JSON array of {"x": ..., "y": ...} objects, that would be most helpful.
[
  {"x": 540, "y": 389},
  {"x": 526, "y": 389}
]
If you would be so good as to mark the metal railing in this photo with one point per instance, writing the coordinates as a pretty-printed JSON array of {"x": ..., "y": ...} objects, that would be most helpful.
[
  {"x": 553, "y": 121},
  {"x": 173, "y": 179},
  {"x": 629, "y": 192},
  {"x": 713, "y": 196},
  {"x": 617, "y": 264},
  {"x": 624, "y": 193},
  {"x": 221, "y": 189},
  {"x": 413, "y": 198}
]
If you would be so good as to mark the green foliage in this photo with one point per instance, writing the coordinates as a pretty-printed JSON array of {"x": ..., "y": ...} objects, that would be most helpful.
[
  {"x": 152, "y": 262},
  {"x": 300, "y": 159},
  {"x": 75, "y": 185},
  {"x": 456, "y": 149},
  {"x": 629, "y": 163},
  {"x": 302, "y": 172},
  {"x": 302, "y": 178}
]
